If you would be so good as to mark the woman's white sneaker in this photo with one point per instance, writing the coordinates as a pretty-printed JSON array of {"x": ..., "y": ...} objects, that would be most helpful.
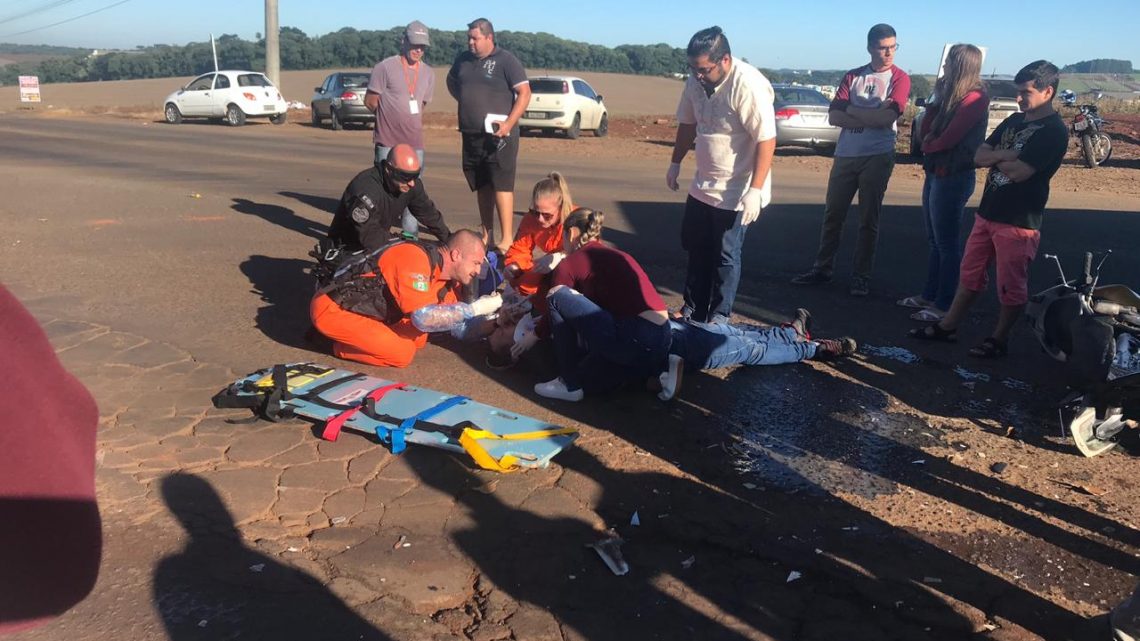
[{"x": 557, "y": 389}]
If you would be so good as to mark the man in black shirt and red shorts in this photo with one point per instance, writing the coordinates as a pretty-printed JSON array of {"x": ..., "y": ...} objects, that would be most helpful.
[{"x": 1023, "y": 153}]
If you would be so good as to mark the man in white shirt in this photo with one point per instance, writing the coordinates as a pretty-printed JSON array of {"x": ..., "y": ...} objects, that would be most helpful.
[{"x": 726, "y": 109}]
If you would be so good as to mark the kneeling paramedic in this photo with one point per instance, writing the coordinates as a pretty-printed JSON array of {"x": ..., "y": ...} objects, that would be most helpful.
[
  {"x": 373, "y": 202},
  {"x": 367, "y": 310}
]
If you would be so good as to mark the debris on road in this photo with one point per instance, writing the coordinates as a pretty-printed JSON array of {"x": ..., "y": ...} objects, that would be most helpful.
[
  {"x": 609, "y": 549},
  {"x": 400, "y": 542},
  {"x": 998, "y": 468},
  {"x": 1086, "y": 488},
  {"x": 793, "y": 575},
  {"x": 635, "y": 519},
  {"x": 688, "y": 563},
  {"x": 257, "y": 568}
]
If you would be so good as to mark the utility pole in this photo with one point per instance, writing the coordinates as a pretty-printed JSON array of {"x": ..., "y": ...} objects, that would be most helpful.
[{"x": 272, "y": 49}]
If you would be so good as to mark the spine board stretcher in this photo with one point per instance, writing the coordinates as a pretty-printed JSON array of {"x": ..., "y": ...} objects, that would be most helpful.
[{"x": 397, "y": 414}]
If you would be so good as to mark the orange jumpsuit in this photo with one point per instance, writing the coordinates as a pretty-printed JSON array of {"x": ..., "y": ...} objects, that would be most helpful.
[
  {"x": 532, "y": 236},
  {"x": 408, "y": 275}
]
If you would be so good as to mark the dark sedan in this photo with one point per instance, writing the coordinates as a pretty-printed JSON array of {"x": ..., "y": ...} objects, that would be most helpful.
[{"x": 340, "y": 100}]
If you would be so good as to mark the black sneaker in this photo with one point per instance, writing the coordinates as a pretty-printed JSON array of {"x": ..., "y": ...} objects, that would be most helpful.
[
  {"x": 813, "y": 277},
  {"x": 829, "y": 349}
]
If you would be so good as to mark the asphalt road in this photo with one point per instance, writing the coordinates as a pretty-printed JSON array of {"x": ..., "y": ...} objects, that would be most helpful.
[{"x": 197, "y": 236}]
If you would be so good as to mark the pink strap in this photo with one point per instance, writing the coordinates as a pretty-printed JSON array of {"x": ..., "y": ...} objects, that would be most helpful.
[{"x": 333, "y": 425}]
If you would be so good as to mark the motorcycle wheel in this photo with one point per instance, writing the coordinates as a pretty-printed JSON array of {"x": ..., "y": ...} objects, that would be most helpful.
[
  {"x": 1094, "y": 436},
  {"x": 1096, "y": 148}
]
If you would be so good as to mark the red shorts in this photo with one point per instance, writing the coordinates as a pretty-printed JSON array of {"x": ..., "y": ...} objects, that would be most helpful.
[{"x": 1010, "y": 248}]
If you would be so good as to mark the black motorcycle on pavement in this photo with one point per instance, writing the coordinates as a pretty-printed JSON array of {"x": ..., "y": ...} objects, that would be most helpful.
[
  {"x": 1095, "y": 330},
  {"x": 1087, "y": 126}
]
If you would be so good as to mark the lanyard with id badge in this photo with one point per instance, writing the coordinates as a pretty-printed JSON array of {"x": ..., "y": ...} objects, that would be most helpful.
[{"x": 413, "y": 104}]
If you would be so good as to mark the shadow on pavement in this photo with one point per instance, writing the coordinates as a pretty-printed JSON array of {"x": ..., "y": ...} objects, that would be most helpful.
[
  {"x": 282, "y": 216},
  {"x": 862, "y": 575},
  {"x": 320, "y": 203},
  {"x": 217, "y": 588},
  {"x": 285, "y": 288}
]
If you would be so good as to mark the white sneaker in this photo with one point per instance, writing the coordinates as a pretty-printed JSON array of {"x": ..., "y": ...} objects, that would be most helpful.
[
  {"x": 671, "y": 378},
  {"x": 557, "y": 389}
]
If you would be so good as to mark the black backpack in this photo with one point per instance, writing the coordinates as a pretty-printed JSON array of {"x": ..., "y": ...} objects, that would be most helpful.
[{"x": 353, "y": 281}]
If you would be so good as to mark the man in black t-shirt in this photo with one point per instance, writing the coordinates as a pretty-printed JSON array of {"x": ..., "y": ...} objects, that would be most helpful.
[
  {"x": 492, "y": 90},
  {"x": 1023, "y": 153}
]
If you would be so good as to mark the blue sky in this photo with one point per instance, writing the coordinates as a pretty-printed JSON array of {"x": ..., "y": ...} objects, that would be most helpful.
[{"x": 823, "y": 34}]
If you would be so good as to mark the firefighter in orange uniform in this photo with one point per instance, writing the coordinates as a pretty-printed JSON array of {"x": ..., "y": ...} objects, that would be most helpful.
[{"x": 368, "y": 317}]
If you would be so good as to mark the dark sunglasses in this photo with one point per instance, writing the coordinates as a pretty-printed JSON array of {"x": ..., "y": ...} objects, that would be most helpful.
[{"x": 402, "y": 176}]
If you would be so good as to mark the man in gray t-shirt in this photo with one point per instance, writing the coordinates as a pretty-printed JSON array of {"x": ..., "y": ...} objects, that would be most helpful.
[{"x": 399, "y": 89}]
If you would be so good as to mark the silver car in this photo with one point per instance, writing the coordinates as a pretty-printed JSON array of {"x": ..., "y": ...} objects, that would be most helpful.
[
  {"x": 801, "y": 119},
  {"x": 340, "y": 100}
]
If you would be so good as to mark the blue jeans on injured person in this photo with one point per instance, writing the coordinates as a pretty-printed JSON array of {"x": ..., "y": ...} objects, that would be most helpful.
[
  {"x": 408, "y": 223},
  {"x": 714, "y": 345},
  {"x": 598, "y": 352},
  {"x": 943, "y": 201},
  {"x": 714, "y": 239}
]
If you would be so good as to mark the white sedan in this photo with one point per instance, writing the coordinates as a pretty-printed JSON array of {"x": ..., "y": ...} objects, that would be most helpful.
[
  {"x": 232, "y": 96},
  {"x": 566, "y": 103}
]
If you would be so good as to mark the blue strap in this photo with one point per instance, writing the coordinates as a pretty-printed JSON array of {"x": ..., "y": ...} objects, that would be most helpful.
[{"x": 396, "y": 436}]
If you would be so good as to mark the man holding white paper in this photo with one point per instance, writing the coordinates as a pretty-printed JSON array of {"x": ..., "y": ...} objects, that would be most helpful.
[{"x": 492, "y": 90}]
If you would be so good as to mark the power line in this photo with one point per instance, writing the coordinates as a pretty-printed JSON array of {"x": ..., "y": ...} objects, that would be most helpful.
[
  {"x": 31, "y": 12},
  {"x": 56, "y": 24}
]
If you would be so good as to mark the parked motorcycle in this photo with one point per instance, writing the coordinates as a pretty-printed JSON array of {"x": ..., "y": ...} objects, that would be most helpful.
[
  {"x": 1096, "y": 146},
  {"x": 1095, "y": 330}
]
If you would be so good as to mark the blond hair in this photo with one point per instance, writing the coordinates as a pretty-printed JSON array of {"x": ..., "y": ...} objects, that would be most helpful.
[
  {"x": 554, "y": 186},
  {"x": 587, "y": 221},
  {"x": 962, "y": 73}
]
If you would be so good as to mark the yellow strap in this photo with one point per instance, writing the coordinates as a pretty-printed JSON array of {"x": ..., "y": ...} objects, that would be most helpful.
[
  {"x": 294, "y": 379},
  {"x": 470, "y": 438}
]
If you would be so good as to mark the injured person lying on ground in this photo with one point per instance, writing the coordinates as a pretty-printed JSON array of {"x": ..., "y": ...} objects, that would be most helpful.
[{"x": 703, "y": 346}]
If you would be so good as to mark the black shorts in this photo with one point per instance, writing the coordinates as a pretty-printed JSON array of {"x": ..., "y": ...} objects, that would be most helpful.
[{"x": 488, "y": 160}]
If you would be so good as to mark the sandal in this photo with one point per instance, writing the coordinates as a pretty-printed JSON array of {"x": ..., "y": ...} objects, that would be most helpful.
[
  {"x": 934, "y": 333},
  {"x": 928, "y": 315},
  {"x": 914, "y": 302},
  {"x": 989, "y": 348}
]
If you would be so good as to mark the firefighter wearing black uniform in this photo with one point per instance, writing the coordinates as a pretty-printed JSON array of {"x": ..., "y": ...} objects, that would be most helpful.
[{"x": 375, "y": 200}]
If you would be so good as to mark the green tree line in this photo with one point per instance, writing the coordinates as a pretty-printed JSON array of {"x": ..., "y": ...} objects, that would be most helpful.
[
  {"x": 1099, "y": 65},
  {"x": 348, "y": 48},
  {"x": 46, "y": 50}
]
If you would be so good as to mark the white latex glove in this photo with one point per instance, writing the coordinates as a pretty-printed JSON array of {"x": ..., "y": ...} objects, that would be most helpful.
[
  {"x": 487, "y": 304},
  {"x": 547, "y": 263},
  {"x": 751, "y": 205},
  {"x": 672, "y": 174},
  {"x": 525, "y": 337}
]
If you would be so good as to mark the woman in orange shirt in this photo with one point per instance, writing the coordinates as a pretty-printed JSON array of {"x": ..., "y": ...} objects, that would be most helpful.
[{"x": 541, "y": 229}]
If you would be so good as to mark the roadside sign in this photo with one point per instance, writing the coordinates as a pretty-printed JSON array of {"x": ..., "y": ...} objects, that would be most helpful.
[{"x": 29, "y": 88}]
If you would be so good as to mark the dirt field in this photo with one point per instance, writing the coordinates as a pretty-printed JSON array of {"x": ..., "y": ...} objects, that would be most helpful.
[{"x": 624, "y": 95}]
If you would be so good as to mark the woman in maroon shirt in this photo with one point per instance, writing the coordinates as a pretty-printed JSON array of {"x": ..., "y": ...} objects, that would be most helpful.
[{"x": 608, "y": 324}]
